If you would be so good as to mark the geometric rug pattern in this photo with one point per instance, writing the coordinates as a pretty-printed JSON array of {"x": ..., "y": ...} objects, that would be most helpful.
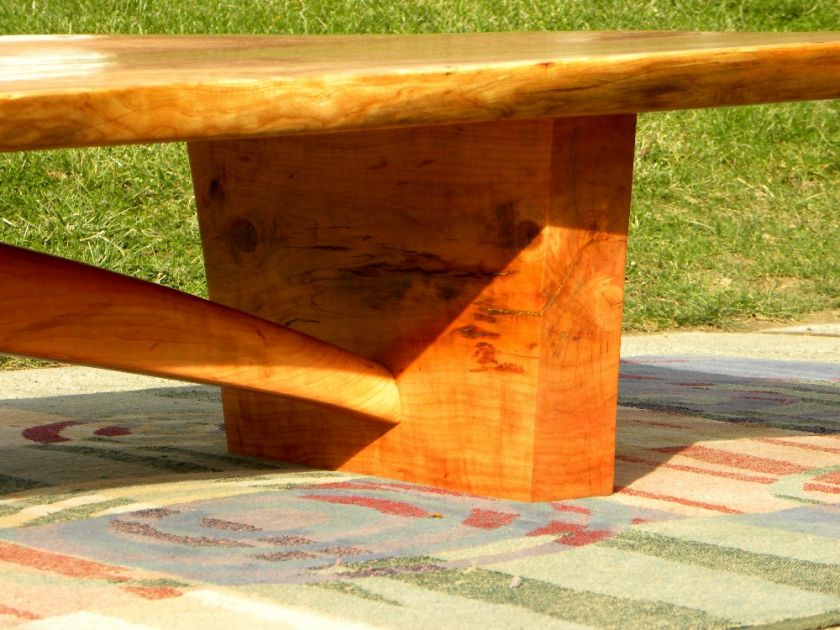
[{"x": 125, "y": 510}]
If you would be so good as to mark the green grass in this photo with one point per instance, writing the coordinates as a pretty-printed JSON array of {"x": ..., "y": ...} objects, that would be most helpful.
[
  {"x": 735, "y": 216},
  {"x": 735, "y": 211},
  {"x": 408, "y": 16}
]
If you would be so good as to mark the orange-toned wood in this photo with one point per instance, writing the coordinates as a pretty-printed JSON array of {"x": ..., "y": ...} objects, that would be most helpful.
[
  {"x": 481, "y": 263},
  {"x": 58, "y": 309},
  {"x": 90, "y": 90},
  {"x": 591, "y": 177}
]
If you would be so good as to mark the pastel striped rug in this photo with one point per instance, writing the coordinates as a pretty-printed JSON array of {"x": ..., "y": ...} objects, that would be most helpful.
[{"x": 122, "y": 509}]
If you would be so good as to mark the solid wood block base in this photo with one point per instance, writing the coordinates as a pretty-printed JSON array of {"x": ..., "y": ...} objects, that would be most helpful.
[{"x": 482, "y": 264}]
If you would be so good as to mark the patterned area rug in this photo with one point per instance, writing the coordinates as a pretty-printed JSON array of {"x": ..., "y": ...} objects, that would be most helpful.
[{"x": 124, "y": 510}]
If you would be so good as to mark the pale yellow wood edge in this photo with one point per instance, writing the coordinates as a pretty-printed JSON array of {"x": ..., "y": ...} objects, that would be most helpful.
[{"x": 66, "y": 311}]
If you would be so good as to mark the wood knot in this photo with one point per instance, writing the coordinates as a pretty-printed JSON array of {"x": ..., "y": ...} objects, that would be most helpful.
[
  {"x": 215, "y": 191},
  {"x": 243, "y": 235}
]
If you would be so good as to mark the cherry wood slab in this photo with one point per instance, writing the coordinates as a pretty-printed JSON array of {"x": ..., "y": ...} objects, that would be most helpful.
[
  {"x": 62, "y": 91},
  {"x": 482, "y": 264}
]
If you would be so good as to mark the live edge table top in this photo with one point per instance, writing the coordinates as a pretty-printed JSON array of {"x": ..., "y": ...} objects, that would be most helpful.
[{"x": 59, "y": 91}]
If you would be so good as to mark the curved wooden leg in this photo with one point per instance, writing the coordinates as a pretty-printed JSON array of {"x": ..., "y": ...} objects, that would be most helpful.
[
  {"x": 482, "y": 264},
  {"x": 66, "y": 311}
]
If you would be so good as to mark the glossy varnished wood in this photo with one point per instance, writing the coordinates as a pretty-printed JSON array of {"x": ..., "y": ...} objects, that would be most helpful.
[
  {"x": 91, "y": 90},
  {"x": 62, "y": 310},
  {"x": 482, "y": 264}
]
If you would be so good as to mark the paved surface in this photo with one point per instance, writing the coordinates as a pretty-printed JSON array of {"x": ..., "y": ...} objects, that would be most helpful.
[
  {"x": 77, "y": 380},
  {"x": 806, "y": 342}
]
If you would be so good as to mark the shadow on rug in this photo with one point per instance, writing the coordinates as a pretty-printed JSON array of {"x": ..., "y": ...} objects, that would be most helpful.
[{"x": 125, "y": 510}]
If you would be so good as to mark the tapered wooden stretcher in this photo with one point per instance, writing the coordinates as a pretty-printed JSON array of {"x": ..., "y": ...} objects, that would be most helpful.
[{"x": 414, "y": 245}]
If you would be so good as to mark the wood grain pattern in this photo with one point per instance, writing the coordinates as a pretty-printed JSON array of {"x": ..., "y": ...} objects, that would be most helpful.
[
  {"x": 591, "y": 180},
  {"x": 91, "y": 90},
  {"x": 473, "y": 261},
  {"x": 66, "y": 311}
]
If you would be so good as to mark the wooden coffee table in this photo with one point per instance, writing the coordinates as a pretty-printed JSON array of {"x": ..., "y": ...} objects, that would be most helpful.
[{"x": 415, "y": 245}]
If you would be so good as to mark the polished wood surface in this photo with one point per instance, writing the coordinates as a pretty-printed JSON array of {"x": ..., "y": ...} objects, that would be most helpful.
[
  {"x": 62, "y": 310},
  {"x": 482, "y": 264},
  {"x": 90, "y": 90}
]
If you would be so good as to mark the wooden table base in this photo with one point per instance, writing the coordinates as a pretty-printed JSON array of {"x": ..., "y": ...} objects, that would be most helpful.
[
  {"x": 482, "y": 264},
  {"x": 424, "y": 209}
]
